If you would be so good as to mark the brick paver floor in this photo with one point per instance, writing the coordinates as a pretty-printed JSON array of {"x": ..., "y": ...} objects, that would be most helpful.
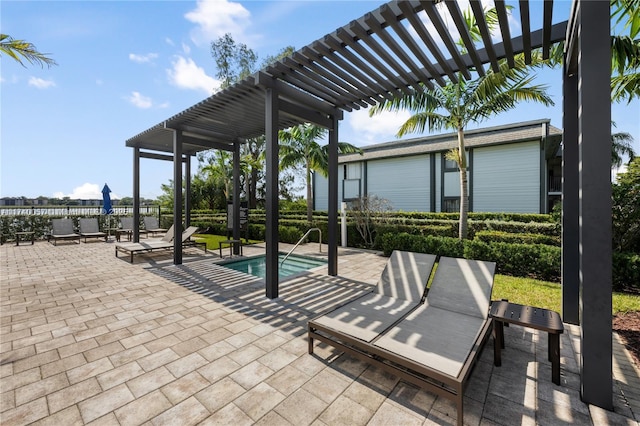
[{"x": 88, "y": 338}]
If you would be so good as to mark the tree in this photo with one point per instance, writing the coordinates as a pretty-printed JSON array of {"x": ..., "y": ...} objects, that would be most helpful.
[
  {"x": 21, "y": 49},
  {"x": 234, "y": 61},
  {"x": 459, "y": 103},
  {"x": 300, "y": 146},
  {"x": 625, "y": 51},
  {"x": 367, "y": 212},
  {"x": 621, "y": 147},
  {"x": 626, "y": 209}
]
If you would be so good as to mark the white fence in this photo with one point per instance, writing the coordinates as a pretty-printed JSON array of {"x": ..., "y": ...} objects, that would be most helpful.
[{"x": 73, "y": 210}]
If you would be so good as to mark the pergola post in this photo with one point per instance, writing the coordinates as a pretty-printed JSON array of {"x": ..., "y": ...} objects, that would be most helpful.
[
  {"x": 187, "y": 191},
  {"x": 594, "y": 142},
  {"x": 272, "y": 189},
  {"x": 136, "y": 193},
  {"x": 177, "y": 197},
  {"x": 570, "y": 203},
  {"x": 332, "y": 215},
  {"x": 236, "y": 195}
]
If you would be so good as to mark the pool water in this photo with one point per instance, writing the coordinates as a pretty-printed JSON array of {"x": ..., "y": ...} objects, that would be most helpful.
[{"x": 293, "y": 265}]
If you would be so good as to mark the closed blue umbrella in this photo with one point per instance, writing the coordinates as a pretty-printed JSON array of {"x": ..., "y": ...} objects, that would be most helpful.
[{"x": 107, "y": 208}]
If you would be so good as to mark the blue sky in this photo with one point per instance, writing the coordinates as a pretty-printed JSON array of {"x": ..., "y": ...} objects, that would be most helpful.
[{"x": 125, "y": 66}]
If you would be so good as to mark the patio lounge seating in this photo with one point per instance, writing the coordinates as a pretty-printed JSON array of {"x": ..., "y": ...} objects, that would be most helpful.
[
  {"x": 400, "y": 289},
  {"x": 151, "y": 225},
  {"x": 161, "y": 244},
  {"x": 436, "y": 345},
  {"x": 63, "y": 230},
  {"x": 89, "y": 229},
  {"x": 127, "y": 228}
]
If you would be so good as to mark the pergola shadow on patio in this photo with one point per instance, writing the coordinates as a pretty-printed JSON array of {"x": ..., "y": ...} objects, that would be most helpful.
[{"x": 388, "y": 52}]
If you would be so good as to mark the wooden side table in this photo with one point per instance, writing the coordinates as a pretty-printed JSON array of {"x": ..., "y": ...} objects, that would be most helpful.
[
  {"x": 26, "y": 236},
  {"x": 504, "y": 312},
  {"x": 231, "y": 243}
]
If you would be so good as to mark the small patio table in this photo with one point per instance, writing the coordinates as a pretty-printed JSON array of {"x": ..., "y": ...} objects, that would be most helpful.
[
  {"x": 231, "y": 243},
  {"x": 504, "y": 312},
  {"x": 26, "y": 236}
]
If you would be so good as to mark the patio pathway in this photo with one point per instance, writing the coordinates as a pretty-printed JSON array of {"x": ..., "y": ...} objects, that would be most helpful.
[{"x": 88, "y": 338}]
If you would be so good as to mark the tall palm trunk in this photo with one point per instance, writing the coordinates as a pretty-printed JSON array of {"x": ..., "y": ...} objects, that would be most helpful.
[{"x": 464, "y": 192}]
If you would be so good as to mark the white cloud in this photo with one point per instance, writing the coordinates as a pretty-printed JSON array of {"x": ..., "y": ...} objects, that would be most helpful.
[
  {"x": 187, "y": 74},
  {"x": 86, "y": 191},
  {"x": 186, "y": 49},
  {"x": 379, "y": 128},
  {"x": 215, "y": 18},
  {"x": 139, "y": 100},
  {"x": 40, "y": 83},
  {"x": 143, "y": 59}
]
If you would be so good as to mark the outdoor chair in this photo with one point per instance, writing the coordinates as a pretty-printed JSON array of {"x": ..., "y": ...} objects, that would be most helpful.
[
  {"x": 63, "y": 230},
  {"x": 127, "y": 228},
  {"x": 89, "y": 229},
  {"x": 151, "y": 225},
  {"x": 434, "y": 346},
  {"x": 166, "y": 243}
]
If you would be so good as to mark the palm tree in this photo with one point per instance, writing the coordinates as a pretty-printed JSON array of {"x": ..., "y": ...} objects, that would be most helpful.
[
  {"x": 21, "y": 49},
  {"x": 625, "y": 51},
  {"x": 456, "y": 105},
  {"x": 299, "y": 146},
  {"x": 220, "y": 171},
  {"x": 620, "y": 147}
]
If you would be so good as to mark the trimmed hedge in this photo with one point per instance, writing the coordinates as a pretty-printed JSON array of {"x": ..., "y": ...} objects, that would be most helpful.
[
  {"x": 525, "y": 260},
  {"x": 521, "y": 260},
  {"x": 506, "y": 237},
  {"x": 443, "y": 246}
]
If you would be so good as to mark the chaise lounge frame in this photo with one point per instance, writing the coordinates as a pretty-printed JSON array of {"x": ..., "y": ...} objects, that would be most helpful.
[
  {"x": 147, "y": 247},
  {"x": 63, "y": 230},
  {"x": 424, "y": 376}
]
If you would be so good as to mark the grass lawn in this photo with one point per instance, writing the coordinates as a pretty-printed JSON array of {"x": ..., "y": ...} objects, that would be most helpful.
[
  {"x": 214, "y": 240},
  {"x": 548, "y": 295}
]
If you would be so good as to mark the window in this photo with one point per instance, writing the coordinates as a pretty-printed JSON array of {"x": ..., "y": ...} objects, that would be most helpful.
[{"x": 450, "y": 165}]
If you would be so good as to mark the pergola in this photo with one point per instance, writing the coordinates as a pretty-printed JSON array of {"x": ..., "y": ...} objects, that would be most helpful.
[{"x": 388, "y": 52}]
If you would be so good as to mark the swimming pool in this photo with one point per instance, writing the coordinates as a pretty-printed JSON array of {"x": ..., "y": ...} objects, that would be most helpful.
[{"x": 293, "y": 265}]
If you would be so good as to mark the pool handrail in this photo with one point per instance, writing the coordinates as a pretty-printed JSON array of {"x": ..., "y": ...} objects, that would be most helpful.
[{"x": 301, "y": 239}]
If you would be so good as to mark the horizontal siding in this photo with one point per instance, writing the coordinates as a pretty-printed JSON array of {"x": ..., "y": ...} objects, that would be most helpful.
[
  {"x": 404, "y": 181},
  {"x": 321, "y": 192},
  {"x": 507, "y": 178}
]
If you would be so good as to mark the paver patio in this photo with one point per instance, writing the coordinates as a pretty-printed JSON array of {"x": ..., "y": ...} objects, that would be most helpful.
[{"x": 88, "y": 338}]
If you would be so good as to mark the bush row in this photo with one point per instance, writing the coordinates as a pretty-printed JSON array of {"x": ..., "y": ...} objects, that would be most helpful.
[
  {"x": 524, "y": 260},
  {"x": 523, "y": 238}
]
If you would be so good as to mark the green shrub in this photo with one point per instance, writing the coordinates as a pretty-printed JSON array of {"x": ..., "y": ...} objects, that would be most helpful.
[
  {"x": 523, "y": 238},
  {"x": 444, "y": 246},
  {"x": 547, "y": 228},
  {"x": 522, "y": 260},
  {"x": 626, "y": 272}
]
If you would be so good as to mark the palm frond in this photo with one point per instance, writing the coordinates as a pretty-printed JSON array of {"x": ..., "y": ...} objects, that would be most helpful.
[{"x": 21, "y": 49}]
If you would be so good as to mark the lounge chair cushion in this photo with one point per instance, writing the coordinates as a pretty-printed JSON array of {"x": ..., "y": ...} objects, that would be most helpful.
[
  {"x": 366, "y": 317},
  {"x": 406, "y": 274},
  {"x": 463, "y": 286},
  {"x": 438, "y": 338}
]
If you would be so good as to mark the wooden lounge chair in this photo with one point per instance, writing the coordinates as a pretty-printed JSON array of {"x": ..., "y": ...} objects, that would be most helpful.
[
  {"x": 151, "y": 225},
  {"x": 89, "y": 229},
  {"x": 161, "y": 244},
  {"x": 63, "y": 230},
  {"x": 436, "y": 345}
]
